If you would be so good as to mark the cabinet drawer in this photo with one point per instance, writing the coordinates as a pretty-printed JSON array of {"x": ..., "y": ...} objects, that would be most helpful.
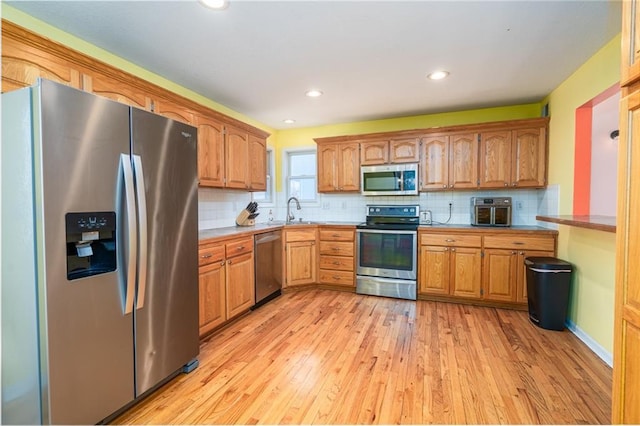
[
  {"x": 451, "y": 240},
  {"x": 210, "y": 253},
  {"x": 336, "y": 248},
  {"x": 300, "y": 235},
  {"x": 336, "y": 235},
  {"x": 236, "y": 248},
  {"x": 336, "y": 262},
  {"x": 337, "y": 277},
  {"x": 520, "y": 242}
]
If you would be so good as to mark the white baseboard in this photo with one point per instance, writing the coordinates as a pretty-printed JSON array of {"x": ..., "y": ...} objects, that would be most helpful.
[{"x": 591, "y": 344}]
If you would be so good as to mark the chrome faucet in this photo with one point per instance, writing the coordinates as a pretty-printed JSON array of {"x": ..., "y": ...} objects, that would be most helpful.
[{"x": 290, "y": 215}]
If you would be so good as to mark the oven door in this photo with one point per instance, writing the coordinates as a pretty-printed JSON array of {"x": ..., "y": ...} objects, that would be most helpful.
[{"x": 387, "y": 253}]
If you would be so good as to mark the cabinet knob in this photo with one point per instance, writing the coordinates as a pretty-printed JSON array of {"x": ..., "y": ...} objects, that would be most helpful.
[
  {"x": 513, "y": 252},
  {"x": 451, "y": 186},
  {"x": 446, "y": 249},
  {"x": 229, "y": 262},
  {"x": 449, "y": 240},
  {"x": 506, "y": 184},
  {"x": 222, "y": 263},
  {"x": 453, "y": 249},
  {"x": 336, "y": 263},
  {"x": 206, "y": 256},
  {"x": 444, "y": 186},
  {"x": 335, "y": 248},
  {"x": 514, "y": 184},
  {"x": 337, "y": 278},
  {"x": 240, "y": 248},
  {"x": 522, "y": 253}
]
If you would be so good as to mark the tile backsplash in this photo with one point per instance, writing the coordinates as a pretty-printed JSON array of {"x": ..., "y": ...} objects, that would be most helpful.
[{"x": 218, "y": 208}]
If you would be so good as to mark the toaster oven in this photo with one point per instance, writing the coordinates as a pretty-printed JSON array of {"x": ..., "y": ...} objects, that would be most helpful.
[{"x": 495, "y": 211}]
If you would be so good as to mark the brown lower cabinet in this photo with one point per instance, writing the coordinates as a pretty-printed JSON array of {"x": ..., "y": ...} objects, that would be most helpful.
[
  {"x": 300, "y": 255},
  {"x": 337, "y": 256},
  {"x": 479, "y": 265},
  {"x": 226, "y": 281}
]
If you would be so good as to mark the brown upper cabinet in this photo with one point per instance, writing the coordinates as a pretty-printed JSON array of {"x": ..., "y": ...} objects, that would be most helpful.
[
  {"x": 230, "y": 157},
  {"x": 513, "y": 158},
  {"x": 449, "y": 162},
  {"x": 230, "y": 153},
  {"x": 339, "y": 167},
  {"x": 210, "y": 152},
  {"x": 488, "y": 155},
  {"x": 630, "y": 67},
  {"x": 394, "y": 151}
]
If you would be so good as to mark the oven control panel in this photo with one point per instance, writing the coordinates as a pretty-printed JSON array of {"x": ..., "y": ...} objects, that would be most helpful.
[{"x": 412, "y": 210}]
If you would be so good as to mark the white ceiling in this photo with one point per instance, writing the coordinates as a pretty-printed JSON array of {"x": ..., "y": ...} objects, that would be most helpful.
[{"x": 370, "y": 58}]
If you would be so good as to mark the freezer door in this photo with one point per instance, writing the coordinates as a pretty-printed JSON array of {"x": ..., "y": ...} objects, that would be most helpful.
[
  {"x": 166, "y": 315},
  {"x": 86, "y": 336}
]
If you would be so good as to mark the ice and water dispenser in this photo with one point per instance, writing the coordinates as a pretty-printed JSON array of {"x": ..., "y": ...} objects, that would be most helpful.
[{"x": 91, "y": 244}]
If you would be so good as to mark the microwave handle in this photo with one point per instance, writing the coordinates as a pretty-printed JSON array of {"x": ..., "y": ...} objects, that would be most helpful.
[{"x": 401, "y": 181}]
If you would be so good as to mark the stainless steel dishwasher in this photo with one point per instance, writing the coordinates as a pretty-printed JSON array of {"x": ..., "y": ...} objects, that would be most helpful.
[{"x": 268, "y": 266}]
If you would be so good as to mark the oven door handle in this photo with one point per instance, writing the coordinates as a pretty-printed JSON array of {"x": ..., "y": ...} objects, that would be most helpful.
[{"x": 385, "y": 231}]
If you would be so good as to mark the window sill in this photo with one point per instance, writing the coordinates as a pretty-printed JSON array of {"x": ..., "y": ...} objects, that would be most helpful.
[{"x": 599, "y": 223}]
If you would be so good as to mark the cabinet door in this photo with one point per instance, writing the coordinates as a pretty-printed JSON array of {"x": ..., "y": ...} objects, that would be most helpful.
[
  {"x": 433, "y": 274},
  {"x": 212, "y": 299},
  {"x": 210, "y": 152},
  {"x": 327, "y": 168},
  {"x": 372, "y": 153},
  {"x": 174, "y": 111},
  {"x": 237, "y": 156},
  {"x": 115, "y": 90},
  {"x": 465, "y": 273},
  {"x": 630, "y": 69},
  {"x": 404, "y": 150},
  {"x": 301, "y": 263},
  {"x": 463, "y": 161},
  {"x": 626, "y": 345},
  {"x": 495, "y": 159},
  {"x": 434, "y": 173},
  {"x": 349, "y": 167},
  {"x": 529, "y": 162},
  {"x": 240, "y": 284},
  {"x": 22, "y": 66},
  {"x": 258, "y": 158},
  {"x": 521, "y": 272},
  {"x": 500, "y": 275}
]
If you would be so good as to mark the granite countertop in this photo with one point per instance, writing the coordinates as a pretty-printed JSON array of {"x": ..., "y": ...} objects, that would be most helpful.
[
  {"x": 259, "y": 228},
  {"x": 515, "y": 228}
]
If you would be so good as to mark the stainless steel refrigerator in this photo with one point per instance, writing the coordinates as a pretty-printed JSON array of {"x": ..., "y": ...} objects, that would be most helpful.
[{"x": 99, "y": 254}]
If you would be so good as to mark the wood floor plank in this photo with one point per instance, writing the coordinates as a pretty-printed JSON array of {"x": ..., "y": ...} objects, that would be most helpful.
[{"x": 327, "y": 357}]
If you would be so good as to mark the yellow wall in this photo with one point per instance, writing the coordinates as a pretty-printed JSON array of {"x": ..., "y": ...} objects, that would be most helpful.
[
  {"x": 39, "y": 27},
  {"x": 592, "y": 252}
]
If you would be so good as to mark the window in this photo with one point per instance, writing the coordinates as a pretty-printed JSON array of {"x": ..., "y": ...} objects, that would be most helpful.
[
  {"x": 266, "y": 197},
  {"x": 301, "y": 180}
]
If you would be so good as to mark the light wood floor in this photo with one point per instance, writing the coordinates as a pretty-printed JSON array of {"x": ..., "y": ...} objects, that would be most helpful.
[{"x": 320, "y": 356}]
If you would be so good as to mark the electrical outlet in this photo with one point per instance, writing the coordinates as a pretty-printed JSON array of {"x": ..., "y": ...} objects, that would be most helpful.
[
  {"x": 344, "y": 205},
  {"x": 518, "y": 205},
  {"x": 326, "y": 205}
]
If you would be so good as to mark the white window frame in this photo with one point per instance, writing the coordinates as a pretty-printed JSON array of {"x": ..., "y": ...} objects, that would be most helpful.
[
  {"x": 286, "y": 156},
  {"x": 269, "y": 200}
]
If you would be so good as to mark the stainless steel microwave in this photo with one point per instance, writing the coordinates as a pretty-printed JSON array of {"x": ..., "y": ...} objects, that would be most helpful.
[
  {"x": 491, "y": 211},
  {"x": 390, "y": 179}
]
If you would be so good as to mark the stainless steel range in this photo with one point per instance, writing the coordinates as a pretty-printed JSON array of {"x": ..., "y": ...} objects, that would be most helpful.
[{"x": 386, "y": 251}]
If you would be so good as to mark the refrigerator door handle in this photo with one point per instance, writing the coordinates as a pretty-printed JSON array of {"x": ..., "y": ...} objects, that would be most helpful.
[
  {"x": 132, "y": 242},
  {"x": 142, "y": 231}
]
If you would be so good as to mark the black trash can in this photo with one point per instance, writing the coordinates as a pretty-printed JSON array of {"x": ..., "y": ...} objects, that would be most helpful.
[{"x": 548, "y": 284}]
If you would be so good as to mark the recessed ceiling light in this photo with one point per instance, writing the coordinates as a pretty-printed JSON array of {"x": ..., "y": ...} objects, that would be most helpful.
[
  {"x": 289, "y": 121},
  {"x": 215, "y": 4},
  {"x": 313, "y": 93},
  {"x": 438, "y": 75}
]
